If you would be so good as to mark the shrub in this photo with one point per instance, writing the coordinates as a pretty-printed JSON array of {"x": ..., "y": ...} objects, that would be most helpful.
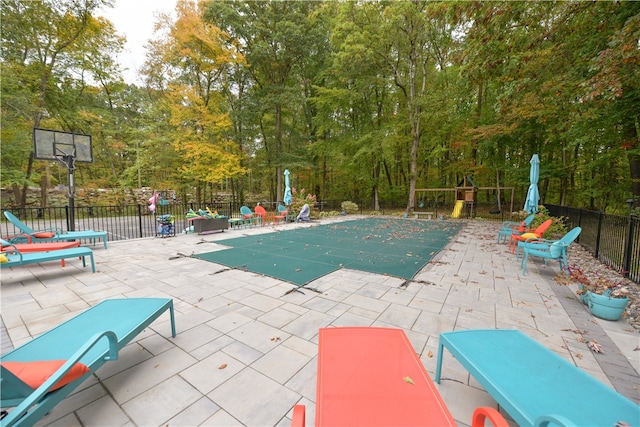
[
  {"x": 558, "y": 227},
  {"x": 349, "y": 207},
  {"x": 326, "y": 214},
  {"x": 299, "y": 199}
]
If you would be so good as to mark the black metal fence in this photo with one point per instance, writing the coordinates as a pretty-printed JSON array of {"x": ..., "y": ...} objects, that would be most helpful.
[
  {"x": 120, "y": 222},
  {"x": 613, "y": 239}
]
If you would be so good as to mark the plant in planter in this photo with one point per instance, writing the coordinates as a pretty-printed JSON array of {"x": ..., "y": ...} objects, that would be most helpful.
[
  {"x": 558, "y": 227},
  {"x": 606, "y": 298}
]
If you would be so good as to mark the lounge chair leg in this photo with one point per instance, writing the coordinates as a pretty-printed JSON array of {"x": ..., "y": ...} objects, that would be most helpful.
[
  {"x": 93, "y": 265},
  {"x": 485, "y": 412},
  {"x": 173, "y": 320},
  {"x": 298, "y": 417},
  {"x": 525, "y": 258}
]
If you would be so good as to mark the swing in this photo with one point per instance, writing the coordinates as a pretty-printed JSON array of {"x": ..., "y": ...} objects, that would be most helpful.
[
  {"x": 497, "y": 209},
  {"x": 421, "y": 201}
]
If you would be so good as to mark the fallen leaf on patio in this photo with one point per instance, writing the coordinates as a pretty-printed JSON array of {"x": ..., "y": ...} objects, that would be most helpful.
[
  {"x": 224, "y": 365},
  {"x": 579, "y": 355},
  {"x": 275, "y": 339},
  {"x": 408, "y": 379},
  {"x": 469, "y": 310},
  {"x": 156, "y": 366},
  {"x": 430, "y": 354},
  {"x": 576, "y": 331},
  {"x": 593, "y": 345}
]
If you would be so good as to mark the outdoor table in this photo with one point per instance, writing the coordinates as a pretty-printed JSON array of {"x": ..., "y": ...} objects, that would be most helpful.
[{"x": 371, "y": 376}]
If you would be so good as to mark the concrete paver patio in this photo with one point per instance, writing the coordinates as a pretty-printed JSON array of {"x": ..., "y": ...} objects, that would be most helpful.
[{"x": 246, "y": 350}]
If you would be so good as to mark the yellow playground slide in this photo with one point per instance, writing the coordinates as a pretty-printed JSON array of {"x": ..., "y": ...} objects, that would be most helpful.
[{"x": 457, "y": 209}]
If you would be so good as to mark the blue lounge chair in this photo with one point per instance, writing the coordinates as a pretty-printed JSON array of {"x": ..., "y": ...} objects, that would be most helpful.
[
  {"x": 52, "y": 234},
  {"x": 548, "y": 249},
  {"x": 534, "y": 385},
  {"x": 91, "y": 338},
  {"x": 508, "y": 227},
  {"x": 17, "y": 258}
]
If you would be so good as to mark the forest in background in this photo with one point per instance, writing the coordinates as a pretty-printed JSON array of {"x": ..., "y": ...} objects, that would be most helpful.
[{"x": 360, "y": 100}]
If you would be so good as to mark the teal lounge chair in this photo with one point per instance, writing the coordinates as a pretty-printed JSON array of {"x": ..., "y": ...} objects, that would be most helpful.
[
  {"x": 533, "y": 384},
  {"x": 549, "y": 249},
  {"x": 52, "y": 234},
  {"x": 508, "y": 227},
  {"x": 91, "y": 338},
  {"x": 17, "y": 258}
]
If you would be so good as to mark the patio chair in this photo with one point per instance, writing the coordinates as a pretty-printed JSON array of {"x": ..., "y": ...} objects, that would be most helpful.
[
  {"x": 53, "y": 234},
  {"x": 283, "y": 213},
  {"x": 549, "y": 249},
  {"x": 261, "y": 213},
  {"x": 15, "y": 258},
  {"x": 249, "y": 217},
  {"x": 529, "y": 235},
  {"x": 509, "y": 226},
  {"x": 68, "y": 354}
]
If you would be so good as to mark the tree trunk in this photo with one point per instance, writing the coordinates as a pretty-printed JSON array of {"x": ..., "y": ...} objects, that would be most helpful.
[
  {"x": 279, "y": 170},
  {"x": 632, "y": 139},
  {"x": 17, "y": 192},
  {"x": 375, "y": 197},
  {"x": 25, "y": 187}
]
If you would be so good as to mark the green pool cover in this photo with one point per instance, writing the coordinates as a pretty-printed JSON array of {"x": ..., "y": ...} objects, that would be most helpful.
[{"x": 395, "y": 247}]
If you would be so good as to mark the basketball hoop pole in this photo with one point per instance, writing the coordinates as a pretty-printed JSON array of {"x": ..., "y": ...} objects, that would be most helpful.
[{"x": 70, "y": 163}]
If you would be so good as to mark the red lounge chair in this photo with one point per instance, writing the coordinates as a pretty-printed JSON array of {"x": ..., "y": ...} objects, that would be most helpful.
[{"x": 373, "y": 377}]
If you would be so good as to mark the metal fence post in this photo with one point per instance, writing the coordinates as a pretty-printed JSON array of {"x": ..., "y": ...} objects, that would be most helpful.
[
  {"x": 140, "y": 219},
  {"x": 66, "y": 215},
  {"x": 597, "y": 248},
  {"x": 628, "y": 248}
]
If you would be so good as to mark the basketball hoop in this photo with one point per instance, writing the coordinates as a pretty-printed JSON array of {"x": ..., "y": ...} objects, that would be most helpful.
[{"x": 67, "y": 148}]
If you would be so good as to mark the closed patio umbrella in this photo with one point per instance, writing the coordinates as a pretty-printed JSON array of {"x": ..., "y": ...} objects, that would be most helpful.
[
  {"x": 287, "y": 188},
  {"x": 533, "y": 195}
]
